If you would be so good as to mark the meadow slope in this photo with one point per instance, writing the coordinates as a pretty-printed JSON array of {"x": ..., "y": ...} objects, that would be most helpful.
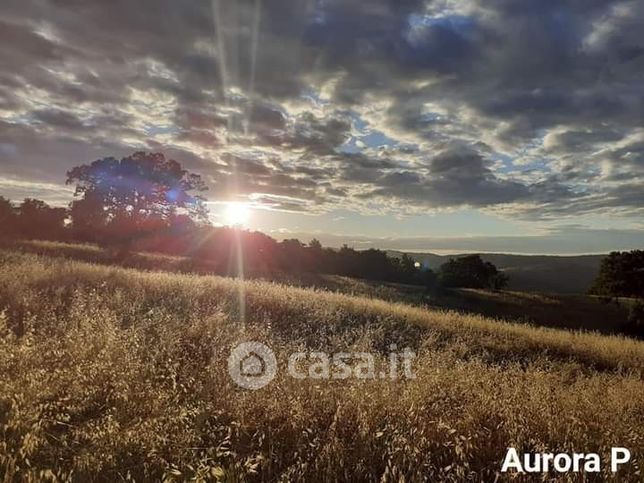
[
  {"x": 113, "y": 373},
  {"x": 576, "y": 312}
]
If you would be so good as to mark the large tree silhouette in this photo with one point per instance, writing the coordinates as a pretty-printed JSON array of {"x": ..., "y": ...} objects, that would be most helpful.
[{"x": 121, "y": 200}]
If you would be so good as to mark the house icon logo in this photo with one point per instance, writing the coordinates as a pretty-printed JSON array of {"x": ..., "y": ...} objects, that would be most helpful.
[{"x": 252, "y": 365}]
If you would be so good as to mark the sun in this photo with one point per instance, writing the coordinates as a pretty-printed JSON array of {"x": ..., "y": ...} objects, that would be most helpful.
[{"x": 237, "y": 213}]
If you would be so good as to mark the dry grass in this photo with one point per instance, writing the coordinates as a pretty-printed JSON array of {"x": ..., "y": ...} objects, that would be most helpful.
[
  {"x": 118, "y": 374},
  {"x": 574, "y": 312}
]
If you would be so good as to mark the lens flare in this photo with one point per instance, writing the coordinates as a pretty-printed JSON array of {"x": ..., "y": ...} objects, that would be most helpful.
[{"x": 237, "y": 214}]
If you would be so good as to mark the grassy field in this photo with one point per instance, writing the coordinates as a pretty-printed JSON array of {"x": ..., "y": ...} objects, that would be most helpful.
[
  {"x": 113, "y": 374},
  {"x": 564, "y": 311},
  {"x": 576, "y": 312}
]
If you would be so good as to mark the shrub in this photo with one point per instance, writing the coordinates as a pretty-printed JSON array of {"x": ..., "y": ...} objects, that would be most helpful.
[{"x": 635, "y": 324}]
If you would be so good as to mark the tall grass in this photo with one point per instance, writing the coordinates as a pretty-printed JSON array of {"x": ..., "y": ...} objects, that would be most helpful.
[{"x": 112, "y": 374}]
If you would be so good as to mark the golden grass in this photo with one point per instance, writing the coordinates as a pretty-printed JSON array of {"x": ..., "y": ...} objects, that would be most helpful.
[
  {"x": 119, "y": 374},
  {"x": 573, "y": 312}
]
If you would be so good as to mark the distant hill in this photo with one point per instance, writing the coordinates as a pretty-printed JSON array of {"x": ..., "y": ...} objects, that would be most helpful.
[{"x": 535, "y": 273}]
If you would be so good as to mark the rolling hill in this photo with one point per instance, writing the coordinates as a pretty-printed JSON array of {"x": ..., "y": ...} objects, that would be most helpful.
[
  {"x": 557, "y": 310},
  {"x": 533, "y": 273}
]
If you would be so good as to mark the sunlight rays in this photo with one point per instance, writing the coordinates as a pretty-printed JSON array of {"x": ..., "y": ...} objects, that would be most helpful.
[{"x": 237, "y": 214}]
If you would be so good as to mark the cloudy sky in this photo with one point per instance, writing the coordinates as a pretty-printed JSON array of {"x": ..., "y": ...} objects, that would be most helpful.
[{"x": 454, "y": 125}]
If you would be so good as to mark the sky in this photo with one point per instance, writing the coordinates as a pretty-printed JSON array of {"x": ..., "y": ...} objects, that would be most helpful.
[{"x": 446, "y": 126}]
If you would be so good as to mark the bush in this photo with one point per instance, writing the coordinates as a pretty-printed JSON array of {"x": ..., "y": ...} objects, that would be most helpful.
[
  {"x": 471, "y": 271},
  {"x": 635, "y": 324}
]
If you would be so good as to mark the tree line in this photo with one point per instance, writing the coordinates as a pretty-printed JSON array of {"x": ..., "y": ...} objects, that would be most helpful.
[{"x": 145, "y": 202}]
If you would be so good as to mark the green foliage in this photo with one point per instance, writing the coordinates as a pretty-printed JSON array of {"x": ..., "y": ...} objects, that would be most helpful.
[
  {"x": 636, "y": 319},
  {"x": 8, "y": 217},
  {"x": 499, "y": 281},
  {"x": 130, "y": 198},
  {"x": 621, "y": 275},
  {"x": 471, "y": 271},
  {"x": 36, "y": 219},
  {"x": 32, "y": 219},
  {"x": 407, "y": 264}
]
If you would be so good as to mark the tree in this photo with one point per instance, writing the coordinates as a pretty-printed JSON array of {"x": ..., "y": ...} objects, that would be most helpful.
[
  {"x": 121, "y": 200},
  {"x": 36, "y": 219},
  {"x": 293, "y": 255},
  {"x": 635, "y": 324},
  {"x": 408, "y": 264},
  {"x": 429, "y": 279},
  {"x": 499, "y": 281},
  {"x": 621, "y": 274},
  {"x": 88, "y": 217},
  {"x": 471, "y": 272},
  {"x": 8, "y": 218}
]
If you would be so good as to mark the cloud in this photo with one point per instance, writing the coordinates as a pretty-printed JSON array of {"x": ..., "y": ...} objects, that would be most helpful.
[
  {"x": 525, "y": 109},
  {"x": 455, "y": 177}
]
